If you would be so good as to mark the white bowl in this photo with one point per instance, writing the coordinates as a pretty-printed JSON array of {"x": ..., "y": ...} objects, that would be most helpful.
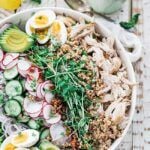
[{"x": 21, "y": 17}]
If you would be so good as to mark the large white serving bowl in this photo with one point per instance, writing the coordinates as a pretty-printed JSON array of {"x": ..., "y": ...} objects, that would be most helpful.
[{"x": 21, "y": 18}]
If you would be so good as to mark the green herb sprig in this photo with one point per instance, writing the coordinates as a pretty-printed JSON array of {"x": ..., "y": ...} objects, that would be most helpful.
[
  {"x": 63, "y": 73},
  {"x": 130, "y": 24},
  {"x": 37, "y": 1}
]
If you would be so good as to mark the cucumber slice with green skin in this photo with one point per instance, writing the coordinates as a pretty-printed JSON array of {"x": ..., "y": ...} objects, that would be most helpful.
[
  {"x": 23, "y": 119},
  {"x": 13, "y": 88},
  {"x": 19, "y": 99},
  {"x": 48, "y": 146},
  {"x": 23, "y": 84},
  {"x": 33, "y": 124},
  {"x": 1, "y": 97},
  {"x": 12, "y": 108},
  {"x": 44, "y": 134},
  {"x": 35, "y": 148},
  {"x": 11, "y": 73}
]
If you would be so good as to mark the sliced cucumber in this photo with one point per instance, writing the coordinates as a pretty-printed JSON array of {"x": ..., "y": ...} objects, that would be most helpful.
[
  {"x": 23, "y": 118},
  {"x": 33, "y": 124},
  {"x": 11, "y": 73},
  {"x": 44, "y": 134},
  {"x": 23, "y": 84},
  {"x": 35, "y": 148},
  {"x": 13, "y": 88},
  {"x": 1, "y": 97},
  {"x": 48, "y": 146},
  {"x": 12, "y": 108},
  {"x": 19, "y": 99}
]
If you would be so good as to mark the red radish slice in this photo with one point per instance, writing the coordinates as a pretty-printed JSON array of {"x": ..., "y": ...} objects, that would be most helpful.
[
  {"x": 22, "y": 73},
  {"x": 33, "y": 73},
  {"x": 32, "y": 93},
  {"x": 48, "y": 97},
  {"x": 30, "y": 85},
  {"x": 49, "y": 116},
  {"x": 35, "y": 115},
  {"x": 38, "y": 91},
  {"x": 31, "y": 106},
  {"x": 14, "y": 55},
  {"x": 7, "y": 59},
  {"x": 47, "y": 111},
  {"x": 46, "y": 86},
  {"x": 2, "y": 66},
  {"x": 57, "y": 131},
  {"x": 24, "y": 65},
  {"x": 1, "y": 55},
  {"x": 54, "y": 119},
  {"x": 12, "y": 64}
]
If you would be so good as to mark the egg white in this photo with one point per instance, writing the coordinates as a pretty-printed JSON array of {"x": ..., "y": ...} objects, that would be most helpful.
[
  {"x": 33, "y": 137},
  {"x": 5, "y": 142},
  {"x": 48, "y": 13},
  {"x": 29, "y": 32},
  {"x": 62, "y": 34}
]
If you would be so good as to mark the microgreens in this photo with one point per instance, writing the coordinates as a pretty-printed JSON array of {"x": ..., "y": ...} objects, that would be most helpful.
[{"x": 63, "y": 73}]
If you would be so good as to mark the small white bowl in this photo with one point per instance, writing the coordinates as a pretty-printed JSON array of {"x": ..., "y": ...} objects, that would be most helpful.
[{"x": 21, "y": 18}]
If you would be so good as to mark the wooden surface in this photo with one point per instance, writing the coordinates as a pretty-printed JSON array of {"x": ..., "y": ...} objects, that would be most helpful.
[{"x": 138, "y": 137}]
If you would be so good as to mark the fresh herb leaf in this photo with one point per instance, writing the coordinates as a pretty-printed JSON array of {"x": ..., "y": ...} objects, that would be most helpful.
[
  {"x": 37, "y": 1},
  {"x": 130, "y": 24}
]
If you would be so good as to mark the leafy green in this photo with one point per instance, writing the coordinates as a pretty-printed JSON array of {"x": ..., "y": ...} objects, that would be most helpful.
[
  {"x": 131, "y": 23},
  {"x": 63, "y": 73},
  {"x": 37, "y": 1}
]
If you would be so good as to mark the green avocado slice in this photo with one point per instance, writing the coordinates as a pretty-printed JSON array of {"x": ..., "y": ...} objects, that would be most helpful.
[{"x": 14, "y": 40}]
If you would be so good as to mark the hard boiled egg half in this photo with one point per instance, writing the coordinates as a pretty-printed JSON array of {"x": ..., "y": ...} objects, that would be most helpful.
[
  {"x": 21, "y": 141},
  {"x": 42, "y": 19},
  {"x": 39, "y": 25},
  {"x": 59, "y": 31},
  {"x": 7, "y": 145}
]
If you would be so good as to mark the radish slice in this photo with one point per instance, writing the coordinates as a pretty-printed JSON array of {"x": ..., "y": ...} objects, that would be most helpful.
[
  {"x": 31, "y": 106},
  {"x": 24, "y": 65},
  {"x": 14, "y": 55},
  {"x": 47, "y": 111},
  {"x": 35, "y": 115},
  {"x": 32, "y": 93},
  {"x": 22, "y": 73},
  {"x": 1, "y": 55},
  {"x": 33, "y": 73},
  {"x": 7, "y": 59},
  {"x": 57, "y": 131},
  {"x": 2, "y": 66},
  {"x": 31, "y": 85},
  {"x": 11, "y": 65},
  {"x": 48, "y": 97},
  {"x": 46, "y": 87},
  {"x": 38, "y": 91},
  {"x": 55, "y": 119},
  {"x": 50, "y": 117}
]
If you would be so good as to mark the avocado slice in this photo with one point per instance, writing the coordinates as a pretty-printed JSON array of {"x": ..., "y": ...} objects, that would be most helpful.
[
  {"x": 14, "y": 40},
  {"x": 45, "y": 145}
]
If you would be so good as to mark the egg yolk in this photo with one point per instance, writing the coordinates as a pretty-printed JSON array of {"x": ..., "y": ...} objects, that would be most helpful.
[
  {"x": 55, "y": 29},
  {"x": 9, "y": 147},
  {"x": 41, "y": 20},
  {"x": 20, "y": 138}
]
